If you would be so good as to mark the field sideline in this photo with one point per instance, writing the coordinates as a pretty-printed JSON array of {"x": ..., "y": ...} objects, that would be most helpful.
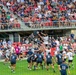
[{"x": 21, "y": 69}]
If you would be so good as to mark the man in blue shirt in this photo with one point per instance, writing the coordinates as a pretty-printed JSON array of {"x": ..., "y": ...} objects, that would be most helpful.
[
  {"x": 63, "y": 68},
  {"x": 34, "y": 59},
  {"x": 59, "y": 58},
  {"x": 29, "y": 59},
  {"x": 49, "y": 61},
  {"x": 13, "y": 62},
  {"x": 40, "y": 59},
  {"x": 30, "y": 52}
]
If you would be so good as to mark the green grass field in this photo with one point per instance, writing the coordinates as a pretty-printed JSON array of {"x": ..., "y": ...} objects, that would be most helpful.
[{"x": 21, "y": 69}]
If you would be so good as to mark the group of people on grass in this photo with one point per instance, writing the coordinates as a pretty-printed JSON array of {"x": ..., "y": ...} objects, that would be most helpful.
[{"x": 43, "y": 51}]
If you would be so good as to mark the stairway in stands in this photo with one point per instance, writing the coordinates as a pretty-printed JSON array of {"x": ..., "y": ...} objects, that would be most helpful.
[{"x": 23, "y": 26}]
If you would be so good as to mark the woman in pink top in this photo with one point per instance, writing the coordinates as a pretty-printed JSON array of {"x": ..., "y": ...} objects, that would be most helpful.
[{"x": 17, "y": 50}]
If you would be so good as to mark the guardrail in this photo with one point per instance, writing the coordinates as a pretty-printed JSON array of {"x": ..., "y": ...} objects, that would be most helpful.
[
  {"x": 51, "y": 24},
  {"x": 46, "y": 24},
  {"x": 9, "y": 25}
]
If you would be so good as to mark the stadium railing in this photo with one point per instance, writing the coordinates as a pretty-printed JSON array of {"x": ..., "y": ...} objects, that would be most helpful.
[
  {"x": 64, "y": 23},
  {"x": 9, "y": 25}
]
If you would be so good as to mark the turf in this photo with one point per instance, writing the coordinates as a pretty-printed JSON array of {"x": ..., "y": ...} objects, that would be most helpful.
[{"x": 21, "y": 69}]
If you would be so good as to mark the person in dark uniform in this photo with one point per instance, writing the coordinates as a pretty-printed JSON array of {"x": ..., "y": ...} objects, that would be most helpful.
[
  {"x": 29, "y": 59},
  {"x": 40, "y": 59},
  {"x": 59, "y": 58},
  {"x": 34, "y": 59},
  {"x": 13, "y": 62},
  {"x": 49, "y": 61},
  {"x": 63, "y": 68}
]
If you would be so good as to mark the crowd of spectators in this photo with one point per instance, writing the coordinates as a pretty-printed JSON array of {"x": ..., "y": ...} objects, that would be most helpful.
[
  {"x": 37, "y": 13},
  {"x": 7, "y": 20}
]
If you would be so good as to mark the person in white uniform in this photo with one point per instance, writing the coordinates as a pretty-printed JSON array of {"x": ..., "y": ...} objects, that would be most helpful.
[{"x": 70, "y": 58}]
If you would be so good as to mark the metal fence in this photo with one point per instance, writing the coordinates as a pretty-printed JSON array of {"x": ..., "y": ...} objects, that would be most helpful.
[
  {"x": 64, "y": 23},
  {"x": 12, "y": 25}
]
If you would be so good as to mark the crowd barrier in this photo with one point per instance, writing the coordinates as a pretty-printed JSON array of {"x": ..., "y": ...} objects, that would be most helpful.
[{"x": 52, "y": 24}]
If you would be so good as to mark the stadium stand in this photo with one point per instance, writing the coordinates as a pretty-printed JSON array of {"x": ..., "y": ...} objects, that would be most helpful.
[
  {"x": 7, "y": 20},
  {"x": 40, "y": 13}
]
